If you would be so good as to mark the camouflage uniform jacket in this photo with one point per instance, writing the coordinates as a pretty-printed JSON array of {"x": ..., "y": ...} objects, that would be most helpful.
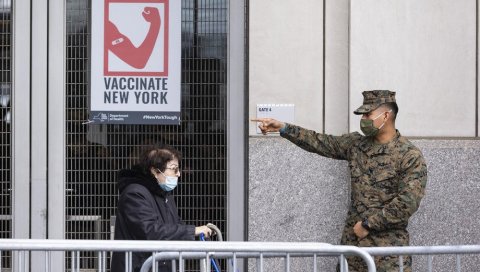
[{"x": 387, "y": 181}]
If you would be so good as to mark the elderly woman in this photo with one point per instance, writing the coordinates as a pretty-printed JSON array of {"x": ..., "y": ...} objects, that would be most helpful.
[{"x": 146, "y": 209}]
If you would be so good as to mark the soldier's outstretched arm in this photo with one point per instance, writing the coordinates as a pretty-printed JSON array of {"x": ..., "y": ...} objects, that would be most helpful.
[{"x": 335, "y": 147}]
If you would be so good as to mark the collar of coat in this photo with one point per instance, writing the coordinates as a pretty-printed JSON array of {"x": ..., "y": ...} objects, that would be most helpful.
[
  {"x": 136, "y": 175},
  {"x": 369, "y": 146}
]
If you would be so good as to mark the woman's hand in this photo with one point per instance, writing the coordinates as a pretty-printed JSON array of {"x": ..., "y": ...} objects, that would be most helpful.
[{"x": 203, "y": 229}]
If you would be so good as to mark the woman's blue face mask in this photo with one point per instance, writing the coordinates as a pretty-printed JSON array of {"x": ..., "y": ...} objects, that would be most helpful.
[{"x": 170, "y": 182}]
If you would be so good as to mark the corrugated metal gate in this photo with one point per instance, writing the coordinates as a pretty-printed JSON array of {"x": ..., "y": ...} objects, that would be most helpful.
[
  {"x": 5, "y": 127},
  {"x": 94, "y": 153}
]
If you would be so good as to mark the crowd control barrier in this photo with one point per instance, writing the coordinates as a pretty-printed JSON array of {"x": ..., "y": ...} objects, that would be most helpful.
[
  {"x": 429, "y": 251},
  {"x": 173, "y": 250}
]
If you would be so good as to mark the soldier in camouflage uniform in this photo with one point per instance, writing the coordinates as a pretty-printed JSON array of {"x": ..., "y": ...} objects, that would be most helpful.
[{"x": 388, "y": 176}]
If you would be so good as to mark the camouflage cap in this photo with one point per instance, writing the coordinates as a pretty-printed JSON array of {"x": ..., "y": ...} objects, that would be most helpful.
[{"x": 373, "y": 99}]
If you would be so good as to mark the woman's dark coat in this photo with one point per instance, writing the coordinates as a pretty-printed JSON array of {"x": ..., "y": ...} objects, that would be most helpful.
[{"x": 145, "y": 212}]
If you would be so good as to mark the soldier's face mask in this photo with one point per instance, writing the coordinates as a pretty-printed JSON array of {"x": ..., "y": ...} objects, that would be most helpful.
[{"x": 368, "y": 128}]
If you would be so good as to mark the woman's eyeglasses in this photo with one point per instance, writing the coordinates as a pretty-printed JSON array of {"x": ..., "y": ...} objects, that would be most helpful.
[{"x": 175, "y": 169}]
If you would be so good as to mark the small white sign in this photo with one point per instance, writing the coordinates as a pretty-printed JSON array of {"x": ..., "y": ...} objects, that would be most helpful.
[{"x": 280, "y": 112}]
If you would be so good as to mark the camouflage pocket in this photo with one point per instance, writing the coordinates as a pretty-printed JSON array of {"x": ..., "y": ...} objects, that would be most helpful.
[
  {"x": 385, "y": 181},
  {"x": 383, "y": 174}
]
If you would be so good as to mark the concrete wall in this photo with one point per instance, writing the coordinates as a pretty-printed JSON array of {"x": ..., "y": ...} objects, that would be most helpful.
[
  {"x": 426, "y": 51},
  {"x": 302, "y": 197},
  {"x": 286, "y": 60},
  {"x": 321, "y": 55}
]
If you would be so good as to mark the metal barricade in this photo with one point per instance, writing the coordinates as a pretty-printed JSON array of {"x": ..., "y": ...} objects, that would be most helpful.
[
  {"x": 181, "y": 250},
  {"x": 430, "y": 251},
  {"x": 260, "y": 250}
]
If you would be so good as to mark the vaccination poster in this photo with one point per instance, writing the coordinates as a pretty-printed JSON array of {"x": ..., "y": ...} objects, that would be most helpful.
[{"x": 135, "y": 62}]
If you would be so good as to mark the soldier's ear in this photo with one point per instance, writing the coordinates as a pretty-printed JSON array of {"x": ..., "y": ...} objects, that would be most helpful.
[{"x": 389, "y": 115}]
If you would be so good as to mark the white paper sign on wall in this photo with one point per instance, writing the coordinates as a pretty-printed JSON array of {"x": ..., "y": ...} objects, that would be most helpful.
[{"x": 281, "y": 112}]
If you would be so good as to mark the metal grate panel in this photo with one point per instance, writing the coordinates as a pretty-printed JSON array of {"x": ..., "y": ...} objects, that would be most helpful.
[
  {"x": 96, "y": 152},
  {"x": 5, "y": 127}
]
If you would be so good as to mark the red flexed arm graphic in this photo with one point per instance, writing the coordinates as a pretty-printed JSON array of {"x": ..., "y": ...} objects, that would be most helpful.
[{"x": 123, "y": 48}]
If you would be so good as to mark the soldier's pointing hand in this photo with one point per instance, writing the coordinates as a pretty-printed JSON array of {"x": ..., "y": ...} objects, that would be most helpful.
[{"x": 269, "y": 125}]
